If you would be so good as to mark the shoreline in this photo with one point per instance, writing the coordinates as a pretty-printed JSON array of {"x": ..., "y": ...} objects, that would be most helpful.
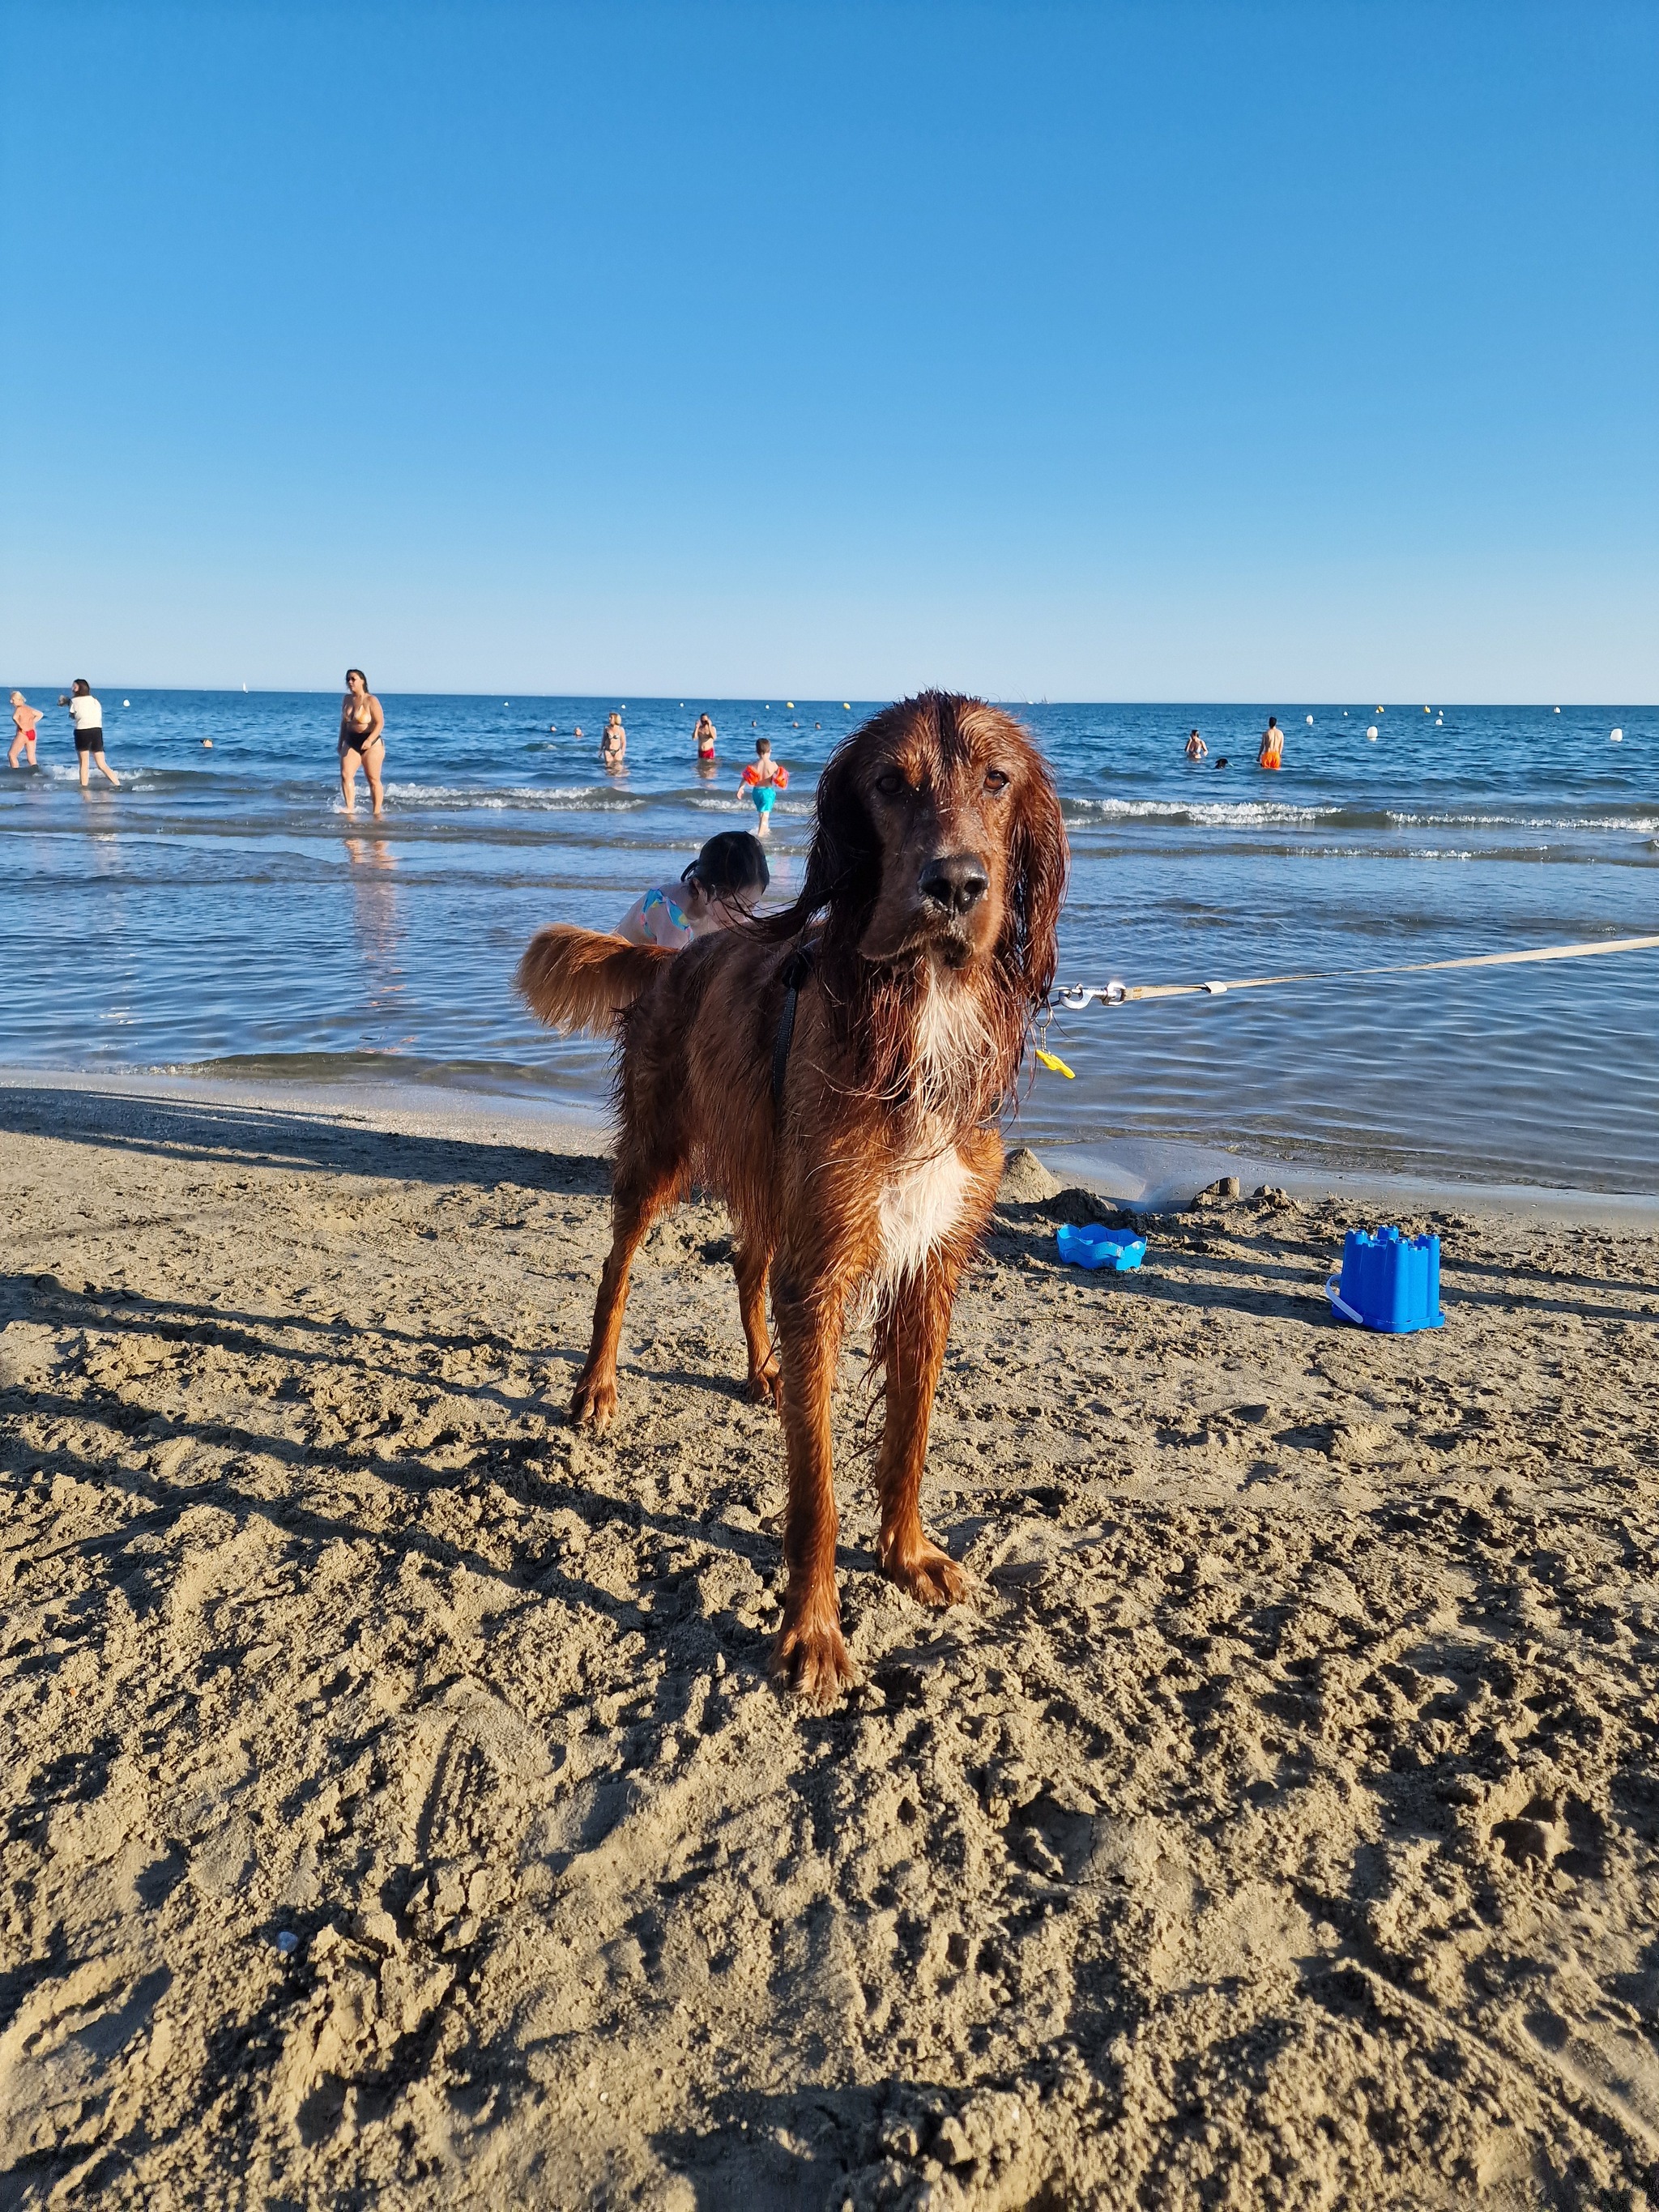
[{"x": 1145, "y": 1174}]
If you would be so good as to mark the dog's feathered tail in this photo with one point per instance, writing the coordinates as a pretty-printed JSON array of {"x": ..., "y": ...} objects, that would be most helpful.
[{"x": 583, "y": 979}]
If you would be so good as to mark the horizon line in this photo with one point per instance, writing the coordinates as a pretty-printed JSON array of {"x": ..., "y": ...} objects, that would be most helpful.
[{"x": 750, "y": 699}]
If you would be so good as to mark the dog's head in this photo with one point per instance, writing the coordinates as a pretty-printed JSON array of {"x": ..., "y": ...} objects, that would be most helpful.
[{"x": 940, "y": 841}]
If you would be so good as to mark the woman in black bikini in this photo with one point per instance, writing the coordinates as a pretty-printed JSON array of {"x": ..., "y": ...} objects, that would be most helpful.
[{"x": 361, "y": 724}]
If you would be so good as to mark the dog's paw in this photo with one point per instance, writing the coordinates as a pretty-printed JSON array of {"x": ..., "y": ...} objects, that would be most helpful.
[
  {"x": 811, "y": 1659},
  {"x": 930, "y": 1576},
  {"x": 766, "y": 1384},
  {"x": 593, "y": 1403}
]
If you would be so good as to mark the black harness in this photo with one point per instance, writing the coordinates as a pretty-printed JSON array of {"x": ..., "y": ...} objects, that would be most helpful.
[{"x": 796, "y": 969}]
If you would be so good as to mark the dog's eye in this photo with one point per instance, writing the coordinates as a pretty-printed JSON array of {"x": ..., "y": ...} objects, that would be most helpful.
[
  {"x": 995, "y": 780},
  {"x": 890, "y": 783}
]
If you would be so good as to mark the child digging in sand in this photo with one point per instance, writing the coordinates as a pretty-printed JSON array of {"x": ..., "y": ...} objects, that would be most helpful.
[
  {"x": 719, "y": 887},
  {"x": 764, "y": 779}
]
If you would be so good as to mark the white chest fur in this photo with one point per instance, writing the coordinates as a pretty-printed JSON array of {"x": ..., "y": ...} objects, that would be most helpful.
[{"x": 921, "y": 1204}]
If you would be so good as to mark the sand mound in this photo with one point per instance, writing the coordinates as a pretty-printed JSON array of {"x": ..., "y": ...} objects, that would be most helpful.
[{"x": 1025, "y": 1180}]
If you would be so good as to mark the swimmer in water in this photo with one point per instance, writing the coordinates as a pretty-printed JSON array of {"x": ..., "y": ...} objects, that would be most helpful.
[
  {"x": 719, "y": 888},
  {"x": 764, "y": 779},
  {"x": 88, "y": 716},
  {"x": 704, "y": 734},
  {"x": 1272, "y": 754},
  {"x": 24, "y": 719},
  {"x": 613, "y": 743},
  {"x": 363, "y": 738},
  {"x": 1222, "y": 763},
  {"x": 1196, "y": 748}
]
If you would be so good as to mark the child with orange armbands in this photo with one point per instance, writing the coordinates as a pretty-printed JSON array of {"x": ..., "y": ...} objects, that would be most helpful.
[{"x": 764, "y": 779}]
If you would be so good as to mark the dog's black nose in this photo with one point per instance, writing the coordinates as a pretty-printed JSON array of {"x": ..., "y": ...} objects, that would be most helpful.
[{"x": 956, "y": 883}]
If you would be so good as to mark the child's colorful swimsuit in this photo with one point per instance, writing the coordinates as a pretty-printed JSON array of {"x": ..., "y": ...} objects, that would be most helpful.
[
  {"x": 765, "y": 795},
  {"x": 660, "y": 916}
]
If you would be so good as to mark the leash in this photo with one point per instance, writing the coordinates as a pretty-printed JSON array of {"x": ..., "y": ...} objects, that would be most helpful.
[
  {"x": 796, "y": 969},
  {"x": 1075, "y": 997}
]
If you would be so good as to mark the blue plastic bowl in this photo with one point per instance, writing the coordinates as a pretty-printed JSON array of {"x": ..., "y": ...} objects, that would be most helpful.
[{"x": 1095, "y": 1246}]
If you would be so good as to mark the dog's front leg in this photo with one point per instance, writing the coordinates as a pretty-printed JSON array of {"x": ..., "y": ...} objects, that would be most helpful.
[
  {"x": 910, "y": 1344},
  {"x": 809, "y": 1654}
]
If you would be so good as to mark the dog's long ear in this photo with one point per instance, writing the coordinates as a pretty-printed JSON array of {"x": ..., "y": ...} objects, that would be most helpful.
[
  {"x": 1038, "y": 857},
  {"x": 844, "y": 868}
]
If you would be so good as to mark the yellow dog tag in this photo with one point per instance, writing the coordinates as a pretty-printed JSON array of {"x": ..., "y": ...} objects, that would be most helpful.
[{"x": 1056, "y": 1067}]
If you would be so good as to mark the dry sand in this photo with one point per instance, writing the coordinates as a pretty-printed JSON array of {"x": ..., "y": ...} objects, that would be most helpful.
[{"x": 397, "y": 1809}]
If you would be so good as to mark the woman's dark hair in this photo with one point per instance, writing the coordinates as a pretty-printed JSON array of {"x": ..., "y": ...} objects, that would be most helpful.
[
  {"x": 351, "y": 672},
  {"x": 80, "y": 684},
  {"x": 731, "y": 866}
]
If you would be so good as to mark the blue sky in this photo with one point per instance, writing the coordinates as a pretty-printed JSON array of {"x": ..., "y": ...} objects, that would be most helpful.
[{"x": 1173, "y": 350}]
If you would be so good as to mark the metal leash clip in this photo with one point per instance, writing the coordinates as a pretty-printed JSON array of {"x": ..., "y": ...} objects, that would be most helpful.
[{"x": 1076, "y": 996}]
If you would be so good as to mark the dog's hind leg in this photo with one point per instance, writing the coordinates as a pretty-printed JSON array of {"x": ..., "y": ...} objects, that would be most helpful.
[
  {"x": 749, "y": 1262},
  {"x": 635, "y": 1205},
  {"x": 910, "y": 1340}
]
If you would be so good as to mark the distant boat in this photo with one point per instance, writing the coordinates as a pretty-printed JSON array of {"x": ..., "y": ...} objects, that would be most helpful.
[{"x": 245, "y": 686}]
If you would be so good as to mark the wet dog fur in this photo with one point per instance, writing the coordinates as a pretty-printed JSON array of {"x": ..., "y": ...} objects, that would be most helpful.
[{"x": 932, "y": 893}]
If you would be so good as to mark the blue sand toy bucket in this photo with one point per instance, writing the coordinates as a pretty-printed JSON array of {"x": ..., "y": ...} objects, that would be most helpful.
[
  {"x": 1389, "y": 1282},
  {"x": 1093, "y": 1246}
]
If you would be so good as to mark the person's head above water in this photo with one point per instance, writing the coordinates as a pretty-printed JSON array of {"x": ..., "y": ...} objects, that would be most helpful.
[
  {"x": 362, "y": 681},
  {"x": 731, "y": 870},
  {"x": 763, "y": 744},
  {"x": 81, "y": 687}
]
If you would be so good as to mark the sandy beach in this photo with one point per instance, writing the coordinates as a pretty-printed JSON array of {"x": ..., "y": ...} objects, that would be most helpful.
[{"x": 399, "y": 1810}]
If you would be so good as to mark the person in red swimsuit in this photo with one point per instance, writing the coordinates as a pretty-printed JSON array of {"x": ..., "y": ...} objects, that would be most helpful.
[{"x": 24, "y": 719}]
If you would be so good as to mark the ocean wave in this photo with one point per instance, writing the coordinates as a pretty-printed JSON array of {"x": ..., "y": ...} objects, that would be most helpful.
[
  {"x": 1270, "y": 813},
  {"x": 599, "y": 799},
  {"x": 706, "y": 803}
]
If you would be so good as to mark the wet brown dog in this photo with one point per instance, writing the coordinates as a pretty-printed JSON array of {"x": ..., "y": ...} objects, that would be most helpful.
[{"x": 860, "y": 1158}]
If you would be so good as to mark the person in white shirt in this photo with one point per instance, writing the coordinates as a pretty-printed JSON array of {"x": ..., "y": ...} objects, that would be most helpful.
[{"x": 88, "y": 716}]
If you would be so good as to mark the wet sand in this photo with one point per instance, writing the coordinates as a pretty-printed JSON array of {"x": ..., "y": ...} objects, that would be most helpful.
[{"x": 398, "y": 1807}]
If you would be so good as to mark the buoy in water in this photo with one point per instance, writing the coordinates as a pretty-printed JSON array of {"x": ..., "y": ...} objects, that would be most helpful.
[
  {"x": 1616, "y": 738},
  {"x": 846, "y": 706},
  {"x": 1371, "y": 733},
  {"x": 126, "y": 702},
  {"x": 790, "y": 704},
  {"x": 1310, "y": 721}
]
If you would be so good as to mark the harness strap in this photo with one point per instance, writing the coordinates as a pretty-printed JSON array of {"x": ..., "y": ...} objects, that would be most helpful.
[{"x": 796, "y": 969}]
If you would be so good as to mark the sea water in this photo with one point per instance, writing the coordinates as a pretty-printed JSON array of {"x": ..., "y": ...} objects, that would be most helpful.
[{"x": 219, "y": 912}]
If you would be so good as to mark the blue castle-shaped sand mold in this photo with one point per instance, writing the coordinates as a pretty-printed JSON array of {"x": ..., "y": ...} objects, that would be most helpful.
[{"x": 1391, "y": 1282}]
